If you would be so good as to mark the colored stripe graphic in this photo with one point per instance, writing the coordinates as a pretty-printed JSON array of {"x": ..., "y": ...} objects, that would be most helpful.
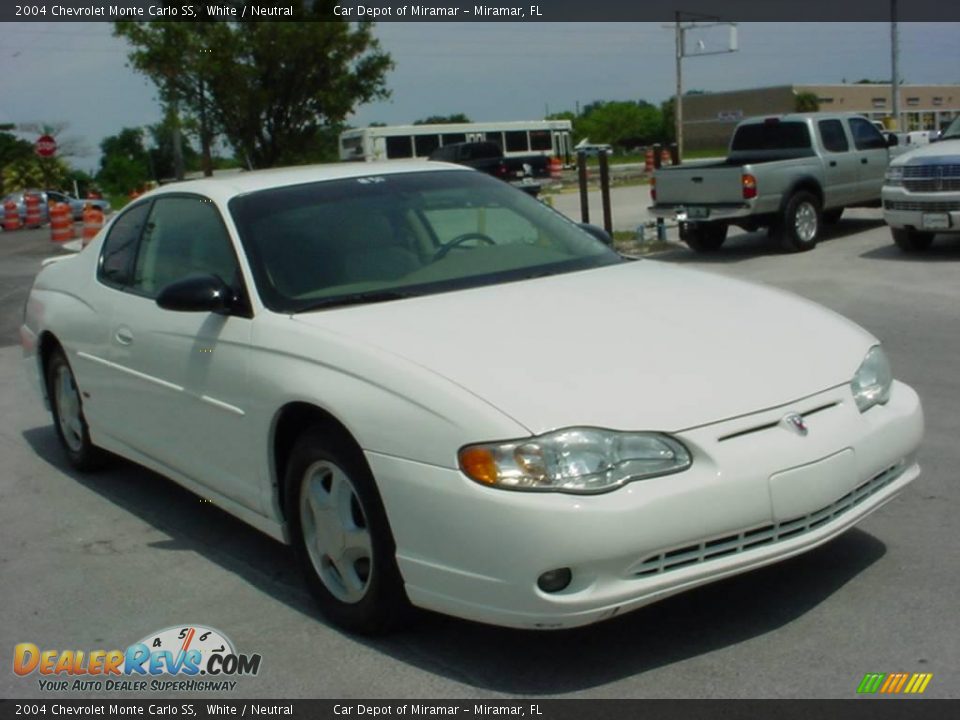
[{"x": 894, "y": 683}]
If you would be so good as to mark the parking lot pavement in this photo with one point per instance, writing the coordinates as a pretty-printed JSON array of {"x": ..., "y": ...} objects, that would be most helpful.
[{"x": 99, "y": 561}]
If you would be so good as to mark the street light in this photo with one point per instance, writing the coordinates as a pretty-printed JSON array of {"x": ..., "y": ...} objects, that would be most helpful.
[{"x": 686, "y": 21}]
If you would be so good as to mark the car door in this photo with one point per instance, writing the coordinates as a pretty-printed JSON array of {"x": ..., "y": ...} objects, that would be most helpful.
[
  {"x": 840, "y": 166},
  {"x": 873, "y": 157},
  {"x": 182, "y": 379}
]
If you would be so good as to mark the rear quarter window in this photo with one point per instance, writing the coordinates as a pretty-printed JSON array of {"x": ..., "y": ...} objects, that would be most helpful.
[{"x": 771, "y": 136}]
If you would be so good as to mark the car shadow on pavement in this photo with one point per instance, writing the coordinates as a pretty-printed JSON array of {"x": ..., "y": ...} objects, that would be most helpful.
[
  {"x": 742, "y": 246},
  {"x": 493, "y": 659},
  {"x": 944, "y": 249}
]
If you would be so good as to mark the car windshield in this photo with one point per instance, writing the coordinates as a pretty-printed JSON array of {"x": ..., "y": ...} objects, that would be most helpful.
[
  {"x": 384, "y": 237},
  {"x": 953, "y": 131}
]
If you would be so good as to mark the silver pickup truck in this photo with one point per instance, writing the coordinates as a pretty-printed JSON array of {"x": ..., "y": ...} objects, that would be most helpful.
[{"x": 788, "y": 173}]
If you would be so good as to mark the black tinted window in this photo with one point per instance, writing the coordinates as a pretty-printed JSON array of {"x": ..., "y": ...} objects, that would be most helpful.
[
  {"x": 426, "y": 144},
  {"x": 772, "y": 136},
  {"x": 184, "y": 236},
  {"x": 496, "y": 137},
  {"x": 540, "y": 140},
  {"x": 399, "y": 147},
  {"x": 451, "y": 138},
  {"x": 517, "y": 141},
  {"x": 120, "y": 247},
  {"x": 865, "y": 135},
  {"x": 833, "y": 136}
]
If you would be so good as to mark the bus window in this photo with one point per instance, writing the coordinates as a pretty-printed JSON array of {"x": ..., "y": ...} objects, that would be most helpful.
[
  {"x": 516, "y": 141},
  {"x": 399, "y": 146},
  {"x": 451, "y": 138},
  {"x": 540, "y": 140},
  {"x": 426, "y": 144},
  {"x": 496, "y": 137}
]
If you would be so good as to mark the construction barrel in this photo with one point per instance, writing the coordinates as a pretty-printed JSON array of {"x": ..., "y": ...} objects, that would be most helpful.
[
  {"x": 11, "y": 216},
  {"x": 665, "y": 158},
  {"x": 34, "y": 218},
  {"x": 92, "y": 223},
  {"x": 61, "y": 223},
  {"x": 648, "y": 160}
]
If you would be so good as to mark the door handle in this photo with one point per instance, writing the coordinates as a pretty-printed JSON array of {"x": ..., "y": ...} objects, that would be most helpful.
[
  {"x": 124, "y": 336},
  {"x": 863, "y": 161}
]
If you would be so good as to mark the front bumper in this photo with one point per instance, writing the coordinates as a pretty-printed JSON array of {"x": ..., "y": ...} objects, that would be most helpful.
[
  {"x": 903, "y": 209},
  {"x": 757, "y": 493}
]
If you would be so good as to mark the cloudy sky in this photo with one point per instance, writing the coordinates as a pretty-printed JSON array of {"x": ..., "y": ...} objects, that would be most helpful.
[{"x": 76, "y": 73}]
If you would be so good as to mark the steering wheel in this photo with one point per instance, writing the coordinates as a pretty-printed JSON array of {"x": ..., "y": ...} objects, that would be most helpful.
[{"x": 459, "y": 240}]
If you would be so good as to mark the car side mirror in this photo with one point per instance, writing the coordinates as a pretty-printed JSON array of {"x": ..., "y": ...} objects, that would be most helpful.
[
  {"x": 598, "y": 232},
  {"x": 197, "y": 293},
  {"x": 892, "y": 140}
]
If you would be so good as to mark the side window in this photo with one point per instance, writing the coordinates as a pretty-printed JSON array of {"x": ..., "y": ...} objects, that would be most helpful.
[
  {"x": 833, "y": 137},
  {"x": 120, "y": 247},
  {"x": 865, "y": 135},
  {"x": 183, "y": 236}
]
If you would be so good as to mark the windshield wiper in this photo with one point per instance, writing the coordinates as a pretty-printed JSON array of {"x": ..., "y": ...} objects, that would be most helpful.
[{"x": 361, "y": 298}]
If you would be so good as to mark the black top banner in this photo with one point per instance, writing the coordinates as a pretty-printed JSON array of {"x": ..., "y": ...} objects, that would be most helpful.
[{"x": 497, "y": 11}]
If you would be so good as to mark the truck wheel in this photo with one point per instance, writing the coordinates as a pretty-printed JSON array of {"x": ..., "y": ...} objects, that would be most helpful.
[
  {"x": 703, "y": 237},
  {"x": 911, "y": 241},
  {"x": 799, "y": 228},
  {"x": 832, "y": 216},
  {"x": 342, "y": 537}
]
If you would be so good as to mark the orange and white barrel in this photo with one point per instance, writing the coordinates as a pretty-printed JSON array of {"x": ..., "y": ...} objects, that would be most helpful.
[
  {"x": 665, "y": 158},
  {"x": 61, "y": 223},
  {"x": 556, "y": 168},
  {"x": 648, "y": 160},
  {"x": 34, "y": 218},
  {"x": 11, "y": 216},
  {"x": 92, "y": 223}
]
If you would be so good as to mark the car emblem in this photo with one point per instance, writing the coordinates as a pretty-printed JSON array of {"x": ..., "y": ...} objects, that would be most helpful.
[{"x": 794, "y": 421}]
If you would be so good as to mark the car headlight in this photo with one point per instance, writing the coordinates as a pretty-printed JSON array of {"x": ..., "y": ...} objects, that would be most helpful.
[
  {"x": 574, "y": 460},
  {"x": 871, "y": 384},
  {"x": 894, "y": 175}
]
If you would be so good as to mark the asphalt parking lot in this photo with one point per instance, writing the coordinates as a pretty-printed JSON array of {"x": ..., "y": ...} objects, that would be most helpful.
[{"x": 100, "y": 561}]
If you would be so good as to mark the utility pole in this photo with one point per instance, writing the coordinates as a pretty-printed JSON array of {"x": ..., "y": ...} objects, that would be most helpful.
[
  {"x": 678, "y": 102},
  {"x": 895, "y": 62}
]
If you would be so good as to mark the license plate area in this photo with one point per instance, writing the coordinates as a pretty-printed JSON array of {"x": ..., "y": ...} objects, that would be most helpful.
[
  {"x": 936, "y": 221},
  {"x": 698, "y": 213}
]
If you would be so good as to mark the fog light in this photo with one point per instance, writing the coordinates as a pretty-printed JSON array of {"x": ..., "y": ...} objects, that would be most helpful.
[{"x": 554, "y": 580}]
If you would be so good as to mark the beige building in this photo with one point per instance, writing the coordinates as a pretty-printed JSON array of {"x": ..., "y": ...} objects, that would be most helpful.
[{"x": 709, "y": 119}]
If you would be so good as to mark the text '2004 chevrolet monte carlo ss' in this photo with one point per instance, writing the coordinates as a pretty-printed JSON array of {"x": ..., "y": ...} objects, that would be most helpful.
[{"x": 442, "y": 393}]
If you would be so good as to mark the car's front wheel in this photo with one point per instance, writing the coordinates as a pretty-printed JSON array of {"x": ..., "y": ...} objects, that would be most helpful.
[
  {"x": 342, "y": 537},
  {"x": 911, "y": 241},
  {"x": 67, "y": 407}
]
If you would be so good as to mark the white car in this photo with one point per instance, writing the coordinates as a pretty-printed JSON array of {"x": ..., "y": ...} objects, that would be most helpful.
[
  {"x": 443, "y": 393},
  {"x": 921, "y": 192}
]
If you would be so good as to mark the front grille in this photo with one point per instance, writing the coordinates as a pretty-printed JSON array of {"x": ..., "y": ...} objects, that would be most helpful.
[
  {"x": 715, "y": 548},
  {"x": 926, "y": 171},
  {"x": 932, "y": 185},
  {"x": 923, "y": 205}
]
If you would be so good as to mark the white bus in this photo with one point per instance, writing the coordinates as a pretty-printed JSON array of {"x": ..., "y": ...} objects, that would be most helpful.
[{"x": 396, "y": 142}]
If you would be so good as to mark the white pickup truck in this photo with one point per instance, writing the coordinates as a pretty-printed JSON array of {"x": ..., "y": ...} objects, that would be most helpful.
[
  {"x": 921, "y": 192},
  {"x": 788, "y": 173}
]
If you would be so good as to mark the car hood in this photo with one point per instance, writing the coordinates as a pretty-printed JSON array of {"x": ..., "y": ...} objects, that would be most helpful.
[
  {"x": 634, "y": 346},
  {"x": 944, "y": 151}
]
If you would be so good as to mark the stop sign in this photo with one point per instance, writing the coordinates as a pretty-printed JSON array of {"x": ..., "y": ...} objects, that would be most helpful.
[{"x": 46, "y": 146}]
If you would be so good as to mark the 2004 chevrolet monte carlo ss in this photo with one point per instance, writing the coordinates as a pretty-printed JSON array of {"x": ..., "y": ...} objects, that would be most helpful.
[{"x": 443, "y": 393}]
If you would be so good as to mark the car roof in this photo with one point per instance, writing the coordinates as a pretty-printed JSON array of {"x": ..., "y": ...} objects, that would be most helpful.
[{"x": 252, "y": 181}]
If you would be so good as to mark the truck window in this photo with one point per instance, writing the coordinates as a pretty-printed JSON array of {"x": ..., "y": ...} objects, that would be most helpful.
[
  {"x": 833, "y": 137},
  {"x": 771, "y": 136},
  {"x": 865, "y": 135}
]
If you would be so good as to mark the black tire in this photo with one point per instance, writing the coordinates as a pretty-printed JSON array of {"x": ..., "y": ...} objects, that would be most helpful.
[
  {"x": 911, "y": 241},
  {"x": 703, "y": 237},
  {"x": 832, "y": 216},
  {"x": 69, "y": 421},
  {"x": 798, "y": 229},
  {"x": 318, "y": 467}
]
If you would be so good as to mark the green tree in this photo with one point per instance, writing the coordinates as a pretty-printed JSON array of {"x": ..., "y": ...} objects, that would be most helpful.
[
  {"x": 624, "y": 124},
  {"x": 35, "y": 172},
  {"x": 806, "y": 102},
  {"x": 124, "y": 165},
  {"x": 278, "y": 91},
  {"x": 12, "y": 150},
  {"x": 443, "y": 119}
]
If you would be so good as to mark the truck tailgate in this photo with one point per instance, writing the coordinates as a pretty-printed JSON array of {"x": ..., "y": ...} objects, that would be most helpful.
[{"x": 705, "y": 185}]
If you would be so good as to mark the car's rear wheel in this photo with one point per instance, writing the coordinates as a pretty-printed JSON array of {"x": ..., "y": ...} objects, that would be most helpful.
[
  {"x": 798, "y": 229},
  {"x": 703, "y": 237},
  {"x": 67, "y": 407},
  {"x": 342, "y": 537},
  {"x": 911, "y": 241}
]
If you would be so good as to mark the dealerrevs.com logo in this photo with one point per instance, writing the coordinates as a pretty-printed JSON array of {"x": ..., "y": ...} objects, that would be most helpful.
[
  {"x": 178, "y": 658},
  {"x": 894, "y": 683}
]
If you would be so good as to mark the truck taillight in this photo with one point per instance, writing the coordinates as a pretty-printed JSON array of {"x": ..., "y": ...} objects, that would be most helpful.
[
  {"x": 749, "y": 183},
  {"x": 502, "y": 170},
  {"x": 653, "y": 188}
]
